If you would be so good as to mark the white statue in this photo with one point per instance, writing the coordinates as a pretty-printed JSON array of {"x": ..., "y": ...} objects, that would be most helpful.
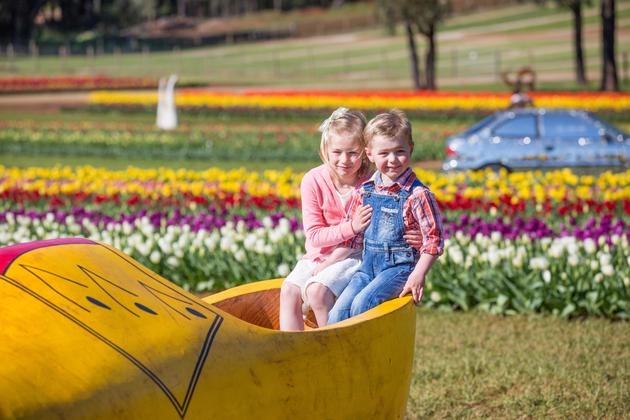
[{"x": 166, "y": 112}]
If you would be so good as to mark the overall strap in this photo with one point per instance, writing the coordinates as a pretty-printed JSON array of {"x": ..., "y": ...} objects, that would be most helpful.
[
  {"x": 368, "y": 186},
  {"x": 404, "y": 194}
]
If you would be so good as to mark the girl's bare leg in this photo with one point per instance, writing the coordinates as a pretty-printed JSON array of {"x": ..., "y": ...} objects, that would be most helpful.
[
  {"x": 291, "y": 308},
  {"x": 321, "y": 300}
]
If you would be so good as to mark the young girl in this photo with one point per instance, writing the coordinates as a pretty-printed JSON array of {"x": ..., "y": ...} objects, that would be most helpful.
[{"x": 327, "y": 194}]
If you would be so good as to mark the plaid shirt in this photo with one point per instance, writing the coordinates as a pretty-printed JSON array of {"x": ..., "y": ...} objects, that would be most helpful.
[{"x": 420, "y": 212}]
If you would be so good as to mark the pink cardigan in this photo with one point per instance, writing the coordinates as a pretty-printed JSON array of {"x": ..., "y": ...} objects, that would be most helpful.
[{"x": 326, "y": 224}]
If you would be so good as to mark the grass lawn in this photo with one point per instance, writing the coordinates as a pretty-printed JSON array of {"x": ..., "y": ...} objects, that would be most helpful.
[
  {"x": 475, "y": 365},
  {"x": 473, "y": 50}
]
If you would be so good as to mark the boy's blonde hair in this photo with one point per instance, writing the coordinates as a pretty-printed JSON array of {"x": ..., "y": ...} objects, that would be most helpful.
[
  {"x": 392, "y": 124},
  {"x": 345, "y": 122}
]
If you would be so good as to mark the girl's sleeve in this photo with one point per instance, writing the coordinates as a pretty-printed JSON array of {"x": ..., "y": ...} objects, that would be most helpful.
[{"x": 318, "y": 232}]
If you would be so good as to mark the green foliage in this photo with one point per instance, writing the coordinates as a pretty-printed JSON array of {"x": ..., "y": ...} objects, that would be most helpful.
[{"x": 219, "y": 145}]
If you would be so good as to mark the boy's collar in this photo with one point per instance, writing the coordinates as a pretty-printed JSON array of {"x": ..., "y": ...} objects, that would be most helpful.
[{"x": 402, "y": 181}]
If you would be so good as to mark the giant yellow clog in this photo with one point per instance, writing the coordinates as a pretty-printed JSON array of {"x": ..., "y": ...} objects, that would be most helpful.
[{"x": 87, "y": 332}]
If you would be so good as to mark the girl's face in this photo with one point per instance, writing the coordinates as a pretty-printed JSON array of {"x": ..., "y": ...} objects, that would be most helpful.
[{"x": 344, "y": 155}]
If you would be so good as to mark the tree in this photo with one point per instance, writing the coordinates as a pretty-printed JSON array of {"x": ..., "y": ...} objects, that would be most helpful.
[
  {"x": 575, "y": 6},
  {"x": 418, "y": 16},
  {"x": 17, "y": 20},
  {"x": 610, "y": 82},
  {"x": 576, "y": 9}
]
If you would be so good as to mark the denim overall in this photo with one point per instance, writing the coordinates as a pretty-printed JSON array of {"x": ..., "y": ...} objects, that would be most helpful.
[{"x": 387, "y": 258}]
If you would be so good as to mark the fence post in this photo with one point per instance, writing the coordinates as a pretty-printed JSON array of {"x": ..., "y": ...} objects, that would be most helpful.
[
  {"x": 384, "y": 63},
  {"x": 312, "y": 62},
  {"x": 454, "y": 63},
  {"x": 497, "y": 65},
  {"x": 32, "y": 48}
]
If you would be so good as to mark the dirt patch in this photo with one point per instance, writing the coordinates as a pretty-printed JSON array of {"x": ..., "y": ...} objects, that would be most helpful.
[{"x": 44, "y": 101}]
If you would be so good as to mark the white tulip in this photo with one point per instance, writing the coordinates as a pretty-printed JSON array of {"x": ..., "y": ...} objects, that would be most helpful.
[
  {"x": 608, "y": 270},
  {"x": 127, "y": 228},
  {"x": 473, "y": 250},
  {"x": 239, "y": 255},
  {"x": 172, "y": 261},
  {"x": 573, "y": 260},
  {"x": 494, "y": 257},
  {"x": 165, "y": 246},
  {"x": 249, "y": 242},
  {"x": 455, "y": 254},
  {"x": 589, "y": 246},
  {"x": 517, "y": 261},
  {"x": 556, "y": 250},
  {"x": 155, "y": 257},
  {"x": 283, "y": 270},
  {"x": 539, "y": 263},
  {"x": 604, "y": 259},
  {"x": 226, "y": 243}
]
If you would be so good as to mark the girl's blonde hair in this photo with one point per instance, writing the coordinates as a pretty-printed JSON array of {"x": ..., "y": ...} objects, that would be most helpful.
[{"x": 345, "y": 122}]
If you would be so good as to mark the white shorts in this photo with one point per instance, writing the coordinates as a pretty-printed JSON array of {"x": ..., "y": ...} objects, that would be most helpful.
[{"x": 336, "y": 276}]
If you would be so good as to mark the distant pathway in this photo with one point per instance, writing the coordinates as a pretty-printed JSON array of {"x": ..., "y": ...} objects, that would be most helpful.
[{"x": 39, "y": 101}]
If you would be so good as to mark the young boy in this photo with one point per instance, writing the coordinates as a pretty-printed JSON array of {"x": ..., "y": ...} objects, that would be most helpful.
[{"x": 400, "y": 203}]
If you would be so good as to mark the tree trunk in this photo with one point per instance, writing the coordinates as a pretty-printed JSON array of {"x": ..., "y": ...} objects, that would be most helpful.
[
  {"x": 580, "y": 74},
  {"x": 181, "y": 8},
  {"x": 215, "y": 7},
  {"x": 430, "y": 61},
  {"x": 226, "y": 8},
  {"x": 413, "y": 56},
  {"x": 609, "y": 66},
  {"x": 277, "y": 5},
  {"x": 22, "y": 21}
]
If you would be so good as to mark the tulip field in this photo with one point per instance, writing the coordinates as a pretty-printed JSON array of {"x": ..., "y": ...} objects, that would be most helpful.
[
  {"x": 63, "y": 83},
  {"x": 305, "y": 100},
  {"x": 552, "y": 242}
]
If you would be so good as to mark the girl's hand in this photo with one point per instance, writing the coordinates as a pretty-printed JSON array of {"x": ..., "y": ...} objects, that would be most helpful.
[
  {"x": 415, "y": 286},
  {"x": 361, "y": 218},
  {"x": 414, "y": 238}
]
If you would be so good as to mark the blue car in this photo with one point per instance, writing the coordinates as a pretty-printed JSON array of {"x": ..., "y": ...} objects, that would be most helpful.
[{"x": 538, "y": 138}]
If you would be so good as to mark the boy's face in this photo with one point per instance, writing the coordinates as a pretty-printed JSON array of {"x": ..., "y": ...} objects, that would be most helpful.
[{"x": 390, "y": 155}]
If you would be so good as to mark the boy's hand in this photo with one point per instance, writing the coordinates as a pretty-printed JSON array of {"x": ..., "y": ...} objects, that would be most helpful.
[
  {"x": 413, "y": 238},
  {"x": 415, "y": 286},
  {"x": 361, "y": 219}
]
